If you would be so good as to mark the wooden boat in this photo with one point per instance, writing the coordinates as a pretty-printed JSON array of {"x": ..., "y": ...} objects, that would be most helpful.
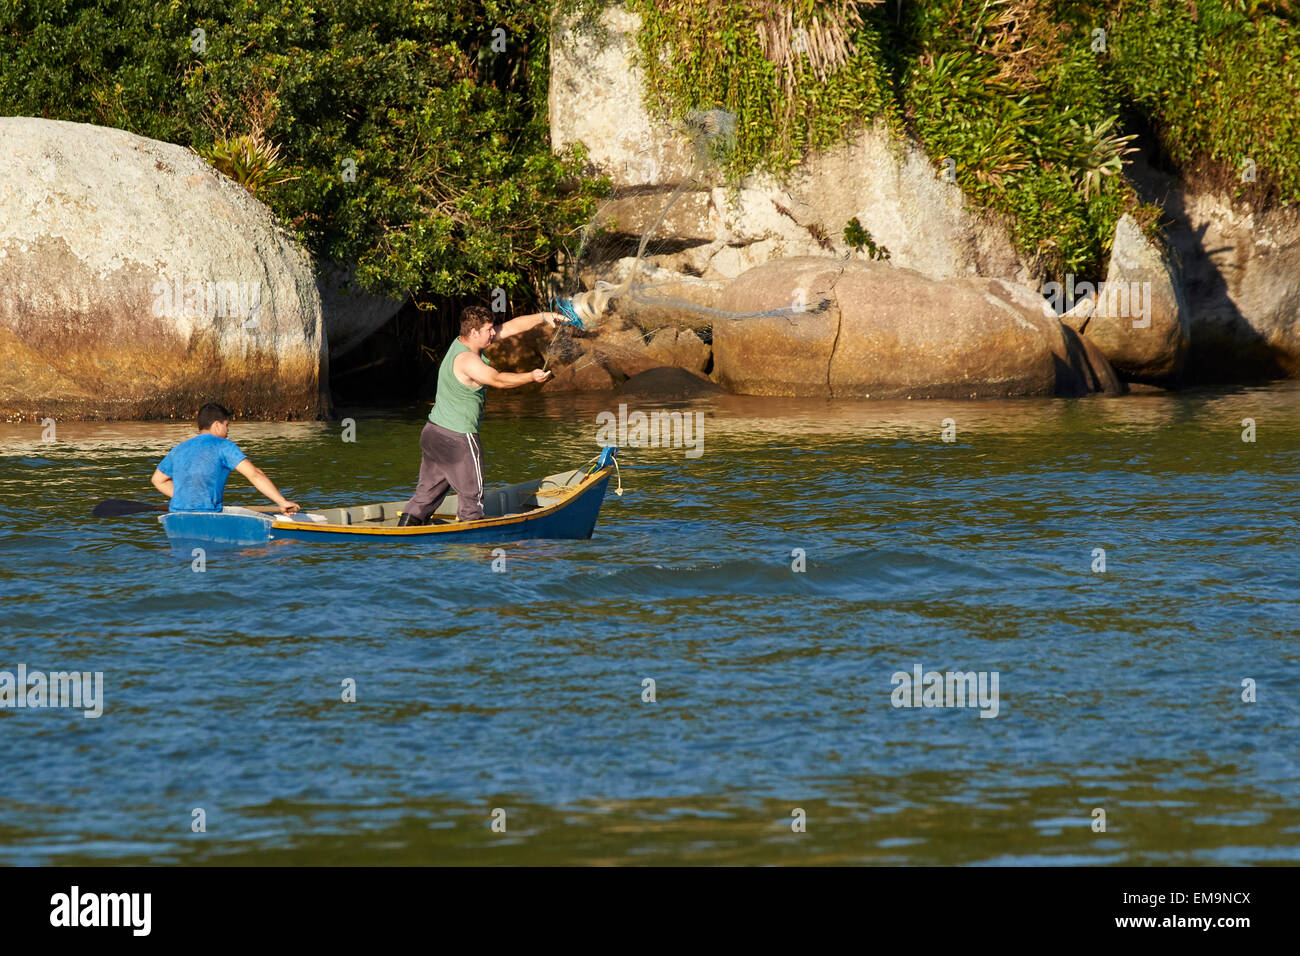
[{"x": 563, "y": 505}]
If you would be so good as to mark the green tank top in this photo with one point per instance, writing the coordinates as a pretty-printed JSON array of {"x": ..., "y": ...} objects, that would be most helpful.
[{"x": 457, "y": 407}]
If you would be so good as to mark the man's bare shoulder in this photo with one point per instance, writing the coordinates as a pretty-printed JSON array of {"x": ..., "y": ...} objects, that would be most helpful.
[{"x": 464, "y": 365}]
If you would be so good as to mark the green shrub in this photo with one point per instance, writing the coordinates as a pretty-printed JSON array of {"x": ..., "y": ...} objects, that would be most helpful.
[
  {"x": 1024, "y": 97},
  {"x": 456, "y": 190},
  {"x": 856, "y": 237},
  {"x": 1219, "y": 82},
  {"x": 705, "y": 54}
]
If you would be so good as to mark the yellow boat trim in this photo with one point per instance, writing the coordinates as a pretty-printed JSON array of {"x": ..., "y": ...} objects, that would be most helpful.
[{"x": 575, "y": 492}]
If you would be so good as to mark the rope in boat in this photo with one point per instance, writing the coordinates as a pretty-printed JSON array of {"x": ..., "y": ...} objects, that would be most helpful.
[{"x": 617, "y": 474}]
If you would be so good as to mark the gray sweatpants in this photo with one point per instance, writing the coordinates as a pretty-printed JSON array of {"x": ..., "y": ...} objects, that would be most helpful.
[{"x": 448, "y": 460}]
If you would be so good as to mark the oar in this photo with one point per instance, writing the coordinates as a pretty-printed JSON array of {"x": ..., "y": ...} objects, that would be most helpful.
[{"x": 116, "y": 507}]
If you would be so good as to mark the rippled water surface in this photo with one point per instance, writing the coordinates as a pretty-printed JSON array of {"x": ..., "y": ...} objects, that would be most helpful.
[{"x": 522, "y": 690}]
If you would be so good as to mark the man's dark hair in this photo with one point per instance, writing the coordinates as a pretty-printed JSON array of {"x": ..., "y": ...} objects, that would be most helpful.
[
  {"x": 212, "y": 412},
  {"x": 474, "y": 317}
]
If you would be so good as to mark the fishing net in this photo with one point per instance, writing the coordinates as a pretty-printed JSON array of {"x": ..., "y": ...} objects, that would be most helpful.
[{"x": 611, "y": 286}]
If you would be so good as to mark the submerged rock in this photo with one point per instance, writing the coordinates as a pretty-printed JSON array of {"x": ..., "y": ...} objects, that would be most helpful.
[
  {"x": 138, "y": 282},
  {"x": 1082, "y": 368},
  {"x": 667, "y": 383}
]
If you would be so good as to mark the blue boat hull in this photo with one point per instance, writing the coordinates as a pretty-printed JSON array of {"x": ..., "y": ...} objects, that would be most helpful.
[
  {"x": 573, "y": 518},
  {"x": 216, "y": 528}
]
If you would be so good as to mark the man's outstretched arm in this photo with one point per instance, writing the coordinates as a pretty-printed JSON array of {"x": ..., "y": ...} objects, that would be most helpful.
[
  {"x": 264, "y": 484},
  {"x": 526, "y": 322},
  {"x": 481, "y": 374}
]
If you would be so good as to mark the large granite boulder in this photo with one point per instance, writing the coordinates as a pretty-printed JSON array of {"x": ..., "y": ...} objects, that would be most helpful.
[
  {"x": 1241, "y": 270},
  {"x": 824, "y": 327},
  {"x": 1139, "y": 318},
  {"x": 1081, "y": 367},
  {"x": 138, "y": 282}
]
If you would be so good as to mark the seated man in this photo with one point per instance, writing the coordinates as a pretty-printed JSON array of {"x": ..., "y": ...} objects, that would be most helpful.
[
  {"x": 451, "y": 455},
  {"x": 193, "y": 475}
]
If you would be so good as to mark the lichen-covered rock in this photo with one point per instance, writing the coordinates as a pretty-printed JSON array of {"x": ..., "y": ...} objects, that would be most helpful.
[
  {"x": 138, "y": 282},
  {"x": 1241, "y": 270},
  {"x": 596, "y": 98}
]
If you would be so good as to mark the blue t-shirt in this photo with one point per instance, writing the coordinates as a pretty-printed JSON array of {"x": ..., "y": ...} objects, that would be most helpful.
[{"x": 198, "y": 469}]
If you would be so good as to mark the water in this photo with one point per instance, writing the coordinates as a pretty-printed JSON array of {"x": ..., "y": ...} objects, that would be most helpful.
[{"x": 522, "y": 690}]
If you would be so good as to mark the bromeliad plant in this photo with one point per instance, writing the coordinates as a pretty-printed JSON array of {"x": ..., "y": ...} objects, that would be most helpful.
[
  {"x": 250, "y": 160},
  {"x": 1101, "y": 151},
  {"x": 1218, "y": 81}
]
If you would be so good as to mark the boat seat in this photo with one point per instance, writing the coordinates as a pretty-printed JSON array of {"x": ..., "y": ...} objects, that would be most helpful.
[
  {"x": 500, "y": 502},
  {"x": 497, "y": 502}
]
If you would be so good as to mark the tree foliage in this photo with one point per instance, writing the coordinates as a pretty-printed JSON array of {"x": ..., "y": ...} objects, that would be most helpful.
[
  {"x": 408, "y": 137},
  {"x": 1030, "y": 103}
]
